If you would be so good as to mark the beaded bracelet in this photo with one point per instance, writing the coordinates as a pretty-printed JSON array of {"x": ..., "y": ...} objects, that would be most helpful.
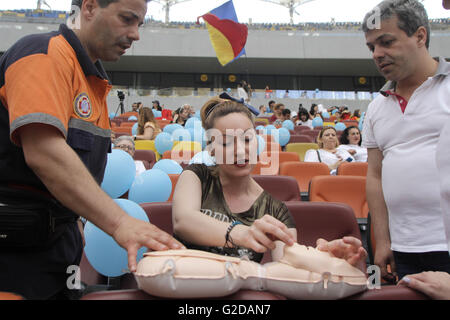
[{"x": 228, "y": 239}]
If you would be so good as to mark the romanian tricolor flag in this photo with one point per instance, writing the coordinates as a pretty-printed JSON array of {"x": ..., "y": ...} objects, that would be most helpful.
[{"x": 227, "y": 35}]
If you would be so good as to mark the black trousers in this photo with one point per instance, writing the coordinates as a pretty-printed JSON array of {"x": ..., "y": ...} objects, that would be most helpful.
[{"x": 411, "y": 263}]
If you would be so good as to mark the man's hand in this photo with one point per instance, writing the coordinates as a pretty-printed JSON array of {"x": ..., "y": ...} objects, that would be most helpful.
[
  {"x": 132, "y": 234},
  {"x": 347, "y": 248},
  {"x": 436, "y": 285}
]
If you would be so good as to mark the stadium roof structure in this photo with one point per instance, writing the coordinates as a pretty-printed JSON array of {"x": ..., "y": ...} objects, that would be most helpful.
[
  {"x": 290, "y": 4},
  {"x": 167, "y": 4}
]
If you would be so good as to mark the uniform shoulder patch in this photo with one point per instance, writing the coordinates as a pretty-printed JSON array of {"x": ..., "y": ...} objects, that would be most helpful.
[{"x": 82, "y": 106}]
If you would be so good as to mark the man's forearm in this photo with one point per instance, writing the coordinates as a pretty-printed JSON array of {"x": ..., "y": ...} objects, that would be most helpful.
[{"x": 69, "y": 181}]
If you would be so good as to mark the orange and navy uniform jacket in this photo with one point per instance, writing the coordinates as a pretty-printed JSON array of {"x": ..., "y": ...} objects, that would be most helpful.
[{"x": 50, "y": 79}]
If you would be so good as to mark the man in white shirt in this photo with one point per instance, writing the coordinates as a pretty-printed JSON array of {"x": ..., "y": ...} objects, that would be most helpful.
[{"x": 402, "y": 179}]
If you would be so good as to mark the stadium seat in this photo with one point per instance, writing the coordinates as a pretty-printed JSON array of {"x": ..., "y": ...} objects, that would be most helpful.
[
  {"x": 265, "y": 121},
  {"x": 312, "y": 134},
  {"x": 174, "y": 180},
  {"x": 350, "y": 190},
  {"x": 282, "y": 188},
  {"x": 148, "y": 157},
  {"x": 160, "y": 214},
  {"x": 301, "y": 148},
  {"x": 124, "y": 130},
  {"x": 180, "y": 156},
  {"x": 147, "y": 145},
  {"x": 300, "y": 138},
  {"x": 350, "y": 123},
  {"x": 268, "y": 164},
  {"x": 352, "y": 169},
  {"x": 288, "y": 156},
  {"x": 129, "y": 114},
  {"x": 303, "y": 172},
  {"x": 346, "y": 189},
  {"x": 301, "y": 129},
  {"x": 187, "y": 145},
  {"x": 127, "y": 124}
]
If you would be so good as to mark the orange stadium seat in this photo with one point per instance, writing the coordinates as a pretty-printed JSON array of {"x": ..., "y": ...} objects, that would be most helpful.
[
  {"x": 303, "y": 172},
  {"x": 350, "y": 190},
  {"x": 353, "y": 169},
  {"x": 10, "y": 296},
  {"x": 126, "y": 130},
  {"x": 346, "y": 189},
  {"x": 127, "y": 124}
]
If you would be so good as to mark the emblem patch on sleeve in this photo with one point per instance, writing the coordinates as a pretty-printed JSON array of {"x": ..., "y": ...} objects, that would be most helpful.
[{"x": 82, "y": 106}]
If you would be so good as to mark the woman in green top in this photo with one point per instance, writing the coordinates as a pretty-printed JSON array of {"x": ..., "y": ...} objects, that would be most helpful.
[{"x": 221, "y": 209}]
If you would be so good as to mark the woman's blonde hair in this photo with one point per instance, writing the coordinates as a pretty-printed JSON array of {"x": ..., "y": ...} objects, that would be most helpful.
[
  {"x": 146, "y": 115},
  {"x": 319, "y": 137}
]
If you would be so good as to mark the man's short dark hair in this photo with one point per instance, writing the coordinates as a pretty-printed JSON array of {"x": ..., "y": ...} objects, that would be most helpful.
[
  {"x": 102, "y": 3},
  {"x": 271, "y": 101},
  {"x": 411, "y": 15}
]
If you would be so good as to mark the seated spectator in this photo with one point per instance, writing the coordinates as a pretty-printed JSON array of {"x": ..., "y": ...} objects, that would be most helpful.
[
  {"x": 156, "y": 105},
  {"x": 356, "y": 115},
  {"x": 271, "y": 105},
  {"x": 286, "y": 115},
  {"x": 148, "y": 127},
  {"x": 268, "y": 93},
  {"x": 313, "y": 111},
  {"x": 126, "y": 143},
  {"x": 136, "y": 106},
  {"x": 338, "y": 117},
  {"x": 328, "y": 152},
  {"x": 262, "y": 110},
  {"x": 345, "y": 115},
  {"x": 351, "y": 142},
  {"x": 182, "y": 114},
  {"x": 277, "y": 112},
  {"x": 221, "y": 208},
  {"x": 303, "y": 118}
]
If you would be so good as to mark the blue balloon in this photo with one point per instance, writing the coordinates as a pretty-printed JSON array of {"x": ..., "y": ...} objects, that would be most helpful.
[
  {"x": 156, "y": 113},
  {"x": 170, "y": 128},
  {"x": 340, "y": 126},
  {"x": 151, "y": 186},
  {"x": 163, "y": 142},
  {"x": 112, "y": 115},
  {"x": 361, "y": 125},
  {"x": 102, "y": 252},
  {"x": 334, "y": 112},
  {"x": 259, "y": 128},
  {"x": 134, "y": 129},
  {"x": 283, "y": 136},
  {"x": 169, "y": 166},
  {"x": 198, "y": 134},
  {"x": 261, "y": 144},
  {"x": 270, "y": 129},
  {"x": 197, "y": 115},
  {"x": 317, "y": 122},
  {"x": 132, "y": 118},
  {"x": 203, "y": 158},
  {"x": 325, "y": 114},
  {"x": 288, "y": 124},
  {"x": 192, "y": 122},
  {"x": 119, "y": 173},
  {"x": 181, "y": 135}
]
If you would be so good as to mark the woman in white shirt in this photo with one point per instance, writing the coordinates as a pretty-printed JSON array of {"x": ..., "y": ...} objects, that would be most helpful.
[
  {"x": 303, "y": 118},
  {"x": 328, "y": 152},
  {"x": 351, "y": 142}
]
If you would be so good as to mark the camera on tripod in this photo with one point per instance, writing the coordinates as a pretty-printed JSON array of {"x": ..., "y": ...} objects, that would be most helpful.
[{"x": 121, "y": 95}]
